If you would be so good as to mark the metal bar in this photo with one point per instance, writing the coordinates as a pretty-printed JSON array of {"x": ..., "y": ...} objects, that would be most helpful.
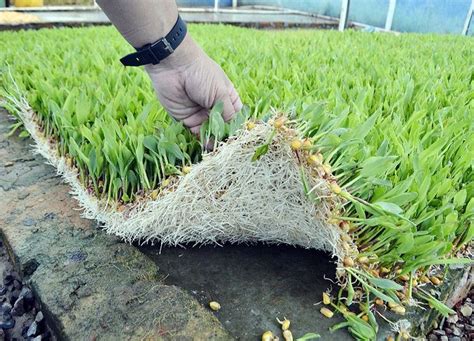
[
  {"x": 234, "y": 3},
  {"x": 344, "y": 14},
  {"x": 390, "y": 14},
  {"x": 216, "y": 5},
  {"x": 467, "y": 23}
]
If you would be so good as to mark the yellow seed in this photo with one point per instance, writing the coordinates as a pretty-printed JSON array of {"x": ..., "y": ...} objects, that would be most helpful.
[
  {"x": 384, "y": 270},
  {"x": 327, "y": 168},
  {"x": 405, "y": 278},
  {"x": 279, "y": 122},
  {"x": 365, "y": 318},
  {"x": 250, "y": 125},
  {"x": 346, "y": 238},
  {"x": 326, "y": 298},
  {"x": 312, "y": 160},
  {"x": 333, "y": 221},
  {"x": 405, "y": 335},
  {"x": 165, "y": 182},
  {"x": 186, "y": 169},
  {"x": 390, "y": 338},
  {"x": 154, "y": 194},
  {"x": 348, "y": 262},
  {"x": 214, "y": 305},
  {"x": 398, "y": 309},
  {"x": 415, "y": 283},
  {"x": 363, "y": 259},
  {"x": 435, "y": 280},
  {"x": 398, "y": 272},
  {"x": 287, "y": 335},
  {"x": 345, "y": 246},
  {"x": 375, "y": 272},
  {"x": 267, "y": 336},
  {"x": 379, "y": 302},
  {"x": 335, "y": 188},
  {"x": 345, "y": 226},
  {"x": 424, "y": 279},
  {"x": 400, "y": 295},
  {"x": 285, "y": 324},
  {"x": 307, "y": 144},
  {"x": 296, "y": 144},
  {"x": 326, "y": 312}
]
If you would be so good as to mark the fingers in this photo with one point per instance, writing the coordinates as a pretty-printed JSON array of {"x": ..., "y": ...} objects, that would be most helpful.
[
  {"x": 234, "y": 97},
  {"x": 232, "y": 103},
  {"x": 194, "y": 121}
]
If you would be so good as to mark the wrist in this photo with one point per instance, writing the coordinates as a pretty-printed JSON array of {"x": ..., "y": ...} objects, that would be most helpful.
[{"x": 186, "y": 53}]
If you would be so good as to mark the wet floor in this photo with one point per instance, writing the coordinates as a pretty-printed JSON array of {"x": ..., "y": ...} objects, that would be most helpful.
[{"x": 254, "y": 285}]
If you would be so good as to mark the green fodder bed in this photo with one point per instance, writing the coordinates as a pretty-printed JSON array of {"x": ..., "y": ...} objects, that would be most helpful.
[{"x": 383, "y": 178}]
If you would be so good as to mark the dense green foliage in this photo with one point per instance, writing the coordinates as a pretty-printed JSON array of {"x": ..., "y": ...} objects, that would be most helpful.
[{"x": 393, "y": 115}]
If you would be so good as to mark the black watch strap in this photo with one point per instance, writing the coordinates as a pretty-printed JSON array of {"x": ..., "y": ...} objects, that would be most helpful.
[{"x": 159, "y": 50}]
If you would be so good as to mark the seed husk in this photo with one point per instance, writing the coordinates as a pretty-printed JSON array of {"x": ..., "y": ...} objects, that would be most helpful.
[
  {"x": 285, "y": 324},
  {"x": 287, "y": 335},
  {"x": 405, "y": 278},
  {"x": 335, "y": 188},
  {"x": 267, "y": 336},
  {"x": 250, "y": 125},
  {"x": 379, "y": 302},
  {"x": 348, "y": 262},
  {"x": 424, "y": 279},
  {"x": 307, "y": 145},
  {"x": 312, "y": 160},
  {"x": 345, "y": 226},
  {"x": 279, "y": 122},
  {"x": 296, "y": 144},
  {"x": 327, "y": 169},
  {"x": 435, "y": 280},
  {"x": 186, "y": 169},
  {"x": 326, "y": 298},
  {"x": 398, "y": 309},
  {"x": 326, "y": 312},
  {"x": 214, "y": 305}
]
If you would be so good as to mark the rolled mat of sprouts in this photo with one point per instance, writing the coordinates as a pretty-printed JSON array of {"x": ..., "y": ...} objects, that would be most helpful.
[{"x": 257, "y": 186}]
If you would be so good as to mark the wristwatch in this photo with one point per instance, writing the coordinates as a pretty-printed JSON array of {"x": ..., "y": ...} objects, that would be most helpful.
[{"x": 160, "y": 49}]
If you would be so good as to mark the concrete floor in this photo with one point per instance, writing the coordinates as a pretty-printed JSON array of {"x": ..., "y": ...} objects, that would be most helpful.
[{"x": 255, "y": 285}]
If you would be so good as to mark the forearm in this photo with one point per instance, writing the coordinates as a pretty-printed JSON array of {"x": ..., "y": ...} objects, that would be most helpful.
[
  {"x": 143, "y": 22},
  {"x": 187, "y": 82}
]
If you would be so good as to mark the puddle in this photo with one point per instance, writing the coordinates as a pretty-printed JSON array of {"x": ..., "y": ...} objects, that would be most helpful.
[{"x": 254, "y": 285}]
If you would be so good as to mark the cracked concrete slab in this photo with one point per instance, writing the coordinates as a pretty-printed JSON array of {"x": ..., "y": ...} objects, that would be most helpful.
[{"x": 90, "y": 285}]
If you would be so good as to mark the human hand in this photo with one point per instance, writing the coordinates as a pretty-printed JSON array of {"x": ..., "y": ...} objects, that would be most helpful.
[{"x": 188, "y": 84}]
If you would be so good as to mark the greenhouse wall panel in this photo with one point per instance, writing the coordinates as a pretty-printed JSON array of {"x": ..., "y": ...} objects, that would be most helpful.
[
  {"x": 437, "y": 16},
  {"x": 324, "y": 7}
]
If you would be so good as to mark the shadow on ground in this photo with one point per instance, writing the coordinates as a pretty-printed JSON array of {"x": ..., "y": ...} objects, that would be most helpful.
[{"x": 254, "y": 285}]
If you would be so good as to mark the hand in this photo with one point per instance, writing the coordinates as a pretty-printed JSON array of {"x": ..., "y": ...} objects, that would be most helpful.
[{"x": 188, "y": 84}]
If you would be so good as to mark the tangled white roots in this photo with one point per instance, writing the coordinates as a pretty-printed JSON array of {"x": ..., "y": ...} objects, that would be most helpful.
[
  {"x": 226, "y": 197},
  {"x": 229, "y": 197}
]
